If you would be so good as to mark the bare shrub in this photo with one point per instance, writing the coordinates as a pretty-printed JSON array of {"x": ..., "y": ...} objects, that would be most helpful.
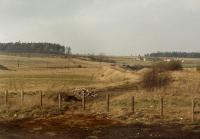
[
  {"x": 170, "y": 66},
  {"x": 174, "y": 65},
  {"x": 160, "y": 67},
  {"x": 80, "y": 66},
  {"x": 2, "y": 67},
  {"x": 154, "y": 79},
  {"x": 198, "y": 68}
]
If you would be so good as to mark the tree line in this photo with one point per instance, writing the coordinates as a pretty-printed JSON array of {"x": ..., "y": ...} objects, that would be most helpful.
[
  {"x": 175, "y": 54},
  {"x": 44, "y": 48}
]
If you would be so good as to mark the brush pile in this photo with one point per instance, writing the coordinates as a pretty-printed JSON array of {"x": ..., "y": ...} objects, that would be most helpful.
[{"x": 89, "y": 93}]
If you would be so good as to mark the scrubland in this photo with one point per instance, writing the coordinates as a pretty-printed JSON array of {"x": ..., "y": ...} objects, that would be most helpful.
[{"x": 53, "y": 75}]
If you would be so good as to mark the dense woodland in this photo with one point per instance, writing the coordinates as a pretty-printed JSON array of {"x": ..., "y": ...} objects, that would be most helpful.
[
  {"x": 175, "y": 54},
  {"x": 45, "y": 48}
]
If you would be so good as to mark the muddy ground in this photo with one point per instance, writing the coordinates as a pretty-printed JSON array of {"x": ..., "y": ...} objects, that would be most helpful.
[{"x": 82, "y": 126}]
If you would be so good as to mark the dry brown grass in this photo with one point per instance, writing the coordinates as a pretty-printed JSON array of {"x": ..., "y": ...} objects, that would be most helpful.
[
  {"x": 40, "y": 73},
  {"x": 34, "y": 76},
  {"x": 50, "y": 75},
  {"x": 177, "y": 101}
]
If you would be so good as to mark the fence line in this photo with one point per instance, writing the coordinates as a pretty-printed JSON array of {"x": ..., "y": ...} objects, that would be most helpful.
[
  {"x": 22, "y": 97},
  {"x": 161, "y": 106},
  {"x": 193, "y": 105},
  {"x": 83, "y": 102},
  {"x": 59, "y": 101},
  {"x": 133, "y": 105},
  {"x": 41, "y": 99},
  {"x": 108, "y": 103},
  {"x": 6, "y": 97}
]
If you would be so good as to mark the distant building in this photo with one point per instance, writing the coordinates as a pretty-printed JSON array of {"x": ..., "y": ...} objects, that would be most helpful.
[
  {"x": 166, "y": 59},
  {"x": 141, "y": 58}
]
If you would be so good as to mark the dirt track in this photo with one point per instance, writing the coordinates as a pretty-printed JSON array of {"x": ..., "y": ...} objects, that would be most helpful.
[{"x": 79, "y": 126}]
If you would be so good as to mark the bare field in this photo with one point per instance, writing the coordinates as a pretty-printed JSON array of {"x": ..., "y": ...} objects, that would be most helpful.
[
  {"x": 177, "y": 97},
  {"x": 53, "y": 74}
]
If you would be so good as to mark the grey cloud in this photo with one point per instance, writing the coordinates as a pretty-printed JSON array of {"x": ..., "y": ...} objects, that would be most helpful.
[{"x": 113, "y": 27}]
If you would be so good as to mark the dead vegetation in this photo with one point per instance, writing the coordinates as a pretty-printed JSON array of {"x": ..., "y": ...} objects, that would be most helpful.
[
  {"x": 177, "y": 97},
  {"x": 177, "y": 87},
  {"x": 159, "y": 76},
  {"x": 198, "y": 68},
  {"x": 154, "y": 79},
  {"x": 168, "y": 66},
  {"x": 2, "y": 67}
]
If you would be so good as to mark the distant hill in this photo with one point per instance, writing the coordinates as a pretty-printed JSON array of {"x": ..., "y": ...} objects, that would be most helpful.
[
  {"x": 45, "y": 48},
  {"x": 175, "y": 54}
]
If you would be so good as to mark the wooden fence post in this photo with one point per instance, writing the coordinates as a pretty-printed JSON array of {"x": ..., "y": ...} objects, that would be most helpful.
[
  {"x": 59, "y": 101},
  {"x": 161, "y": 106},
  {"x": 18, "y": 63},
  {"x": 41, "y": 99},
  {"x": 22, "y": 97},
  {"x": 6, "y": 97},
  {"x": 133, "y": 105},
  {"x": 83, "y": 101},
  {"x": 108, "y": 102},
  {"x": 193, "y": 105}
]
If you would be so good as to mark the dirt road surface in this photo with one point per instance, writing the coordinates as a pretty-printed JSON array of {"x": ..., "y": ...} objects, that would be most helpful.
[{"x": 81, "y": 126}]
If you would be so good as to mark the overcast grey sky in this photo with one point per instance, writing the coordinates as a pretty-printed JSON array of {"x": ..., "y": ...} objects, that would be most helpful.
[{"x": 114, "y": 27}]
